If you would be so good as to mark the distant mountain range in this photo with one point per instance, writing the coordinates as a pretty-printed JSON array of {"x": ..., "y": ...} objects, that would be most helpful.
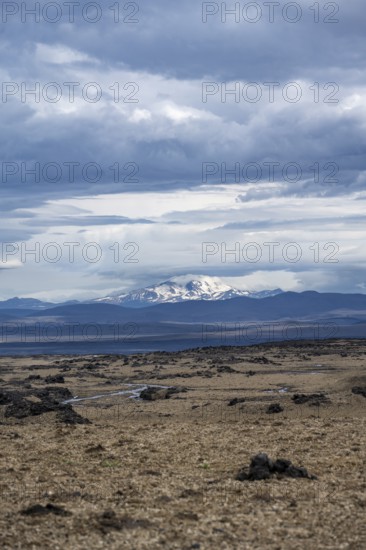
[
  {"x": 177, "y": 289},
  {"x": 287, "y": 306},
  {"x": 183, "y": 289},
  {"x": 30, "y": 303},
  {"x": 196, "y": 315}
]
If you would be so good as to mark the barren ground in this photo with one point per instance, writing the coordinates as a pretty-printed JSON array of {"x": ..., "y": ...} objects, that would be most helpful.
[{"x": 161, "y": 474}]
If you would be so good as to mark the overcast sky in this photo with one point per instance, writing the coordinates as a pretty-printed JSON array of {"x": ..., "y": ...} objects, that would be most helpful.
[{"x": 171, "y": 138}]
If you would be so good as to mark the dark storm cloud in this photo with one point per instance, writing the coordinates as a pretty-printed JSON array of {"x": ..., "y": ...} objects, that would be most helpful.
[
  {"x": 180, "y": 44},
  {"x": 173, "y": 41}
]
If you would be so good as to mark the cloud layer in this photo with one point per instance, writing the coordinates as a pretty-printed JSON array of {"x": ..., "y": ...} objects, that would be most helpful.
[{"x": 168, "y": 132}]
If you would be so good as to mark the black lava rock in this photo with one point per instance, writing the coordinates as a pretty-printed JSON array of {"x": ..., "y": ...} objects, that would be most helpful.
[
  {"x": 23, "y": 409},
  {"x": 262, "y": 467},
  {"x": 281, "y": 465},
  {"x": 154, "y": 394},
  {"x": 39, "y": 510},
  {"x": 53, "y": 393},
  {"x": 313, "y": 399},
  {"x": 58, "y": 379},
  {"x": 51, "y": 400},
  {"x": 274, "y": 408},
  {"x": 359, "y": 391},
  {"x": 68, "y": 415},
  {"x": 235, "y": 401},
  {"x": 5, "y": 398}
]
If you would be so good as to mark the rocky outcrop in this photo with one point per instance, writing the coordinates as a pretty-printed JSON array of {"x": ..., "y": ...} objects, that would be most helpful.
[
  {"x": 20, "y": 405},
  {"x": 262, "y": 467},
  {"x": 359, "y": 391},
  {"x": 312, "y": 399}
]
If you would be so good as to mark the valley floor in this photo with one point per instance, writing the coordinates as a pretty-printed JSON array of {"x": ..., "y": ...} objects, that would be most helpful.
[{"x": 161, "y": 473}]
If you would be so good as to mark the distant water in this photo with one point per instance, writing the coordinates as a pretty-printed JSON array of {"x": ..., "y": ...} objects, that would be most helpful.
[
  {"x": 124, "y": 348},
  {"x": 92, "y": 348}
]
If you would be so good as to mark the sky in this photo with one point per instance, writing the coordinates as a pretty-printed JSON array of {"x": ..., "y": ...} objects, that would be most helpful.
[{"x": 156, "y": 139}]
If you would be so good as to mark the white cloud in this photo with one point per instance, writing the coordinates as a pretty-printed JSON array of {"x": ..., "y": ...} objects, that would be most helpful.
[
  {"x": 140, "y": 115},
  {"x": 264, "y": 280},
  {"x": 59, "y": 54}
]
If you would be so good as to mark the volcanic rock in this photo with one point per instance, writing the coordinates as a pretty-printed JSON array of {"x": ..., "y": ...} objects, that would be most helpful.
[
  {"x": 235, "y": 401},
  {"x": 274, "y": 408},
  {"x": 262, "y": 467},
  {"x": 359, "y": 391},
  {"x": 313, "y": 399}
]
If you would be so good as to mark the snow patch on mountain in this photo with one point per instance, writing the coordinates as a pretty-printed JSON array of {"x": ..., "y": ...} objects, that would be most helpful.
[{"x": 181, "y": 289}]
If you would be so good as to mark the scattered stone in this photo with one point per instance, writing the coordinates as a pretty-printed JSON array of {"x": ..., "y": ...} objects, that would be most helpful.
[
  {"x": 39, "y": 510},
  {"x": 260, "y": 360},
  {"x": 190, "y": 516},
  {"x": 235, "y": 401},
  {"x": 359, "y": 391},
  {"x": 226, "y": 369},
  {"x": 91, "y": 366},
  {"x": 262, "y": 467},
  {"x": 274, "y": 408},
  {"x": 313, "y": 399},
  {"x": 14, "y": 435},
  {"x": 188, "y": 493},
  {"x": 58, "y": 379},
  {"x": 153, "y": 394},
  {"x": 97, "y": 449},
  {"x": 109, "y": 521},
  {"x": 153, "y": 473}
]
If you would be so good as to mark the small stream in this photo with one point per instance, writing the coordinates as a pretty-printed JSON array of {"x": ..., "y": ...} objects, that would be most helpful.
[
  {"x": 133, "y": 392},
  {"x": 281, "y": 390}
]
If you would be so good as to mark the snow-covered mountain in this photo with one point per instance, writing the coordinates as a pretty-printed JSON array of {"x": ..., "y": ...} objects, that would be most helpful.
[{"x": 182, "y": 289}]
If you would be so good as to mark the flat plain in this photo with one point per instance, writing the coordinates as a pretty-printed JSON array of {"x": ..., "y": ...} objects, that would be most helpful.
[{"x": 113, "y": 470}]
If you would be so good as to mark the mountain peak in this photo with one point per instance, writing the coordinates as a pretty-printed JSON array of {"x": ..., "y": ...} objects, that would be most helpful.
[{"x": 183, "y": 288}]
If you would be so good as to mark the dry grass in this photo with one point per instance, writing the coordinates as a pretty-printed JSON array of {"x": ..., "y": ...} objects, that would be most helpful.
[{"x": 148, "y": 475}]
